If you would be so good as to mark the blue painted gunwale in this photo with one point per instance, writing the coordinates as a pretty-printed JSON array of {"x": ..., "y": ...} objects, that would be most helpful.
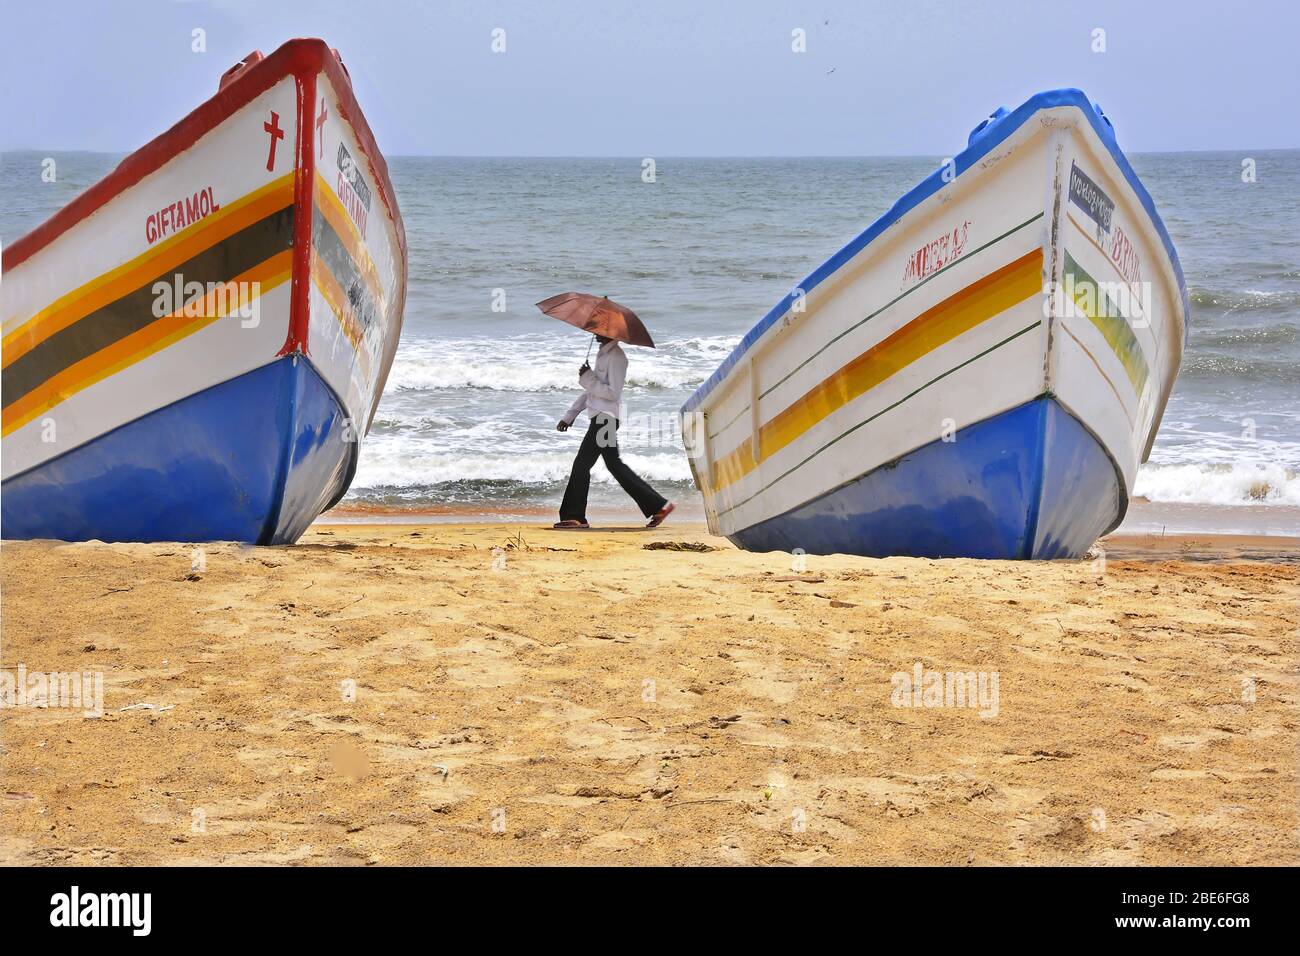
[{"x": 984, "y": 138}]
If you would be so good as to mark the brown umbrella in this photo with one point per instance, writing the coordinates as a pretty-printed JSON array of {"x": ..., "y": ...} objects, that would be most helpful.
[{"x": 599, "y": 315}]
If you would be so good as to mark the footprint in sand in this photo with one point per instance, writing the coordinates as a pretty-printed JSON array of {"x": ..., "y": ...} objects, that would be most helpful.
[
  {"x": 764, "y": 676},
  {"x": 483, "y": 663}
]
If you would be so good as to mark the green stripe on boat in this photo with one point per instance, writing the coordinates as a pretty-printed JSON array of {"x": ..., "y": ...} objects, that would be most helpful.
[{"x": 1092, "y": 300}]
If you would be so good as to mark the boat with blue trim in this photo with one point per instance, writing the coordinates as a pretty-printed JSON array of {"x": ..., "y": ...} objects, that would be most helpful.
[
  {"x": 977, "y": 374},
  {"x": 193, "y": 348}
]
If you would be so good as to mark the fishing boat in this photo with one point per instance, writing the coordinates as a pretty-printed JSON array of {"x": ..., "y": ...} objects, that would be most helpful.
[
  {"x": 977, "y": 374},
  {"x": 193, "y": 348}
]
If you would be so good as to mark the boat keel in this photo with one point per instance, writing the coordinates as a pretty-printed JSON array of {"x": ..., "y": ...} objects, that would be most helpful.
[{"x": 1031, "y": 482}]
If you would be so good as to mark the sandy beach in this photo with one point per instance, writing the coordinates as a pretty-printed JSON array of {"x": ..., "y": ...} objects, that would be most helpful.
[{"x": 496, "y": 694}]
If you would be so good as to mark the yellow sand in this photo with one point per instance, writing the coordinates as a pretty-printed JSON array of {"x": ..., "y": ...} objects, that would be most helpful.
[{"x": 587, "y": 700}]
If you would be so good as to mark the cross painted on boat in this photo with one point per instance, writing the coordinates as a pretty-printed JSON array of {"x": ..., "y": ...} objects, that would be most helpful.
[
  {"x": 320, "y": 127},
  {"x": 277, "y": 134}
]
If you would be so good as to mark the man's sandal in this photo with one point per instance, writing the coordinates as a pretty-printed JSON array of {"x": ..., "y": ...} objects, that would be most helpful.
[{"x": 658, "y": 517}]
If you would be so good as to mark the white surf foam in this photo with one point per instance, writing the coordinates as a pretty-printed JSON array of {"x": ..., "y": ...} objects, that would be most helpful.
[
  {"x": 1238, "y": 483},
  {"x": 544, "y": 363},
  {"x": 392, "y": 467}
]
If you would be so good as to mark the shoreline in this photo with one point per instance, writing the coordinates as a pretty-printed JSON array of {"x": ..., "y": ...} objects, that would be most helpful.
[
  {"x": 1143, "y": 518},
  {"x": 1122, "y": 544}
]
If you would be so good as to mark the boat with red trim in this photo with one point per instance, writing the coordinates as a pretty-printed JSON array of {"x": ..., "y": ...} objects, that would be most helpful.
[{"x": 194, "y": 347}]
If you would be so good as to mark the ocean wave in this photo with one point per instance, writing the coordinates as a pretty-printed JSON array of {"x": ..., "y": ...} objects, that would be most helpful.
[
  {"x": 1246, "y": 300},
  {"x": 1217, "y": 366},
  {"x": 386, "y": 419},
  {"x": 1238, "y": 483},
  {"x": 392, "y": 467},
  {"x": 537, "y": 364},
  {"x": 523, "y": 376},
  {"x": 1282, "y": 333}
]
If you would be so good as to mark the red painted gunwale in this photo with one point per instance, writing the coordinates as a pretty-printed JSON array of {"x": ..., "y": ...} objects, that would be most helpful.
[
  {"x": 301, "y": 58},
  {"x": 304, "y": 177}
]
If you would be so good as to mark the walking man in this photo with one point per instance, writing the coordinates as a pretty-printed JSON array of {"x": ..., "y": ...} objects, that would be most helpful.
[{"x": 602, "y": 396}]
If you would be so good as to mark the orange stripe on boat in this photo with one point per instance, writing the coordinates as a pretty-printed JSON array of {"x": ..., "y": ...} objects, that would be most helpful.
[
  {"x": 337, "y": 299},
  {"x": 332, "y": 208},
  {"x": 141, "y": 344},
  {"x": 129, "y": 276},
  {"x": 955, "y": 315}
]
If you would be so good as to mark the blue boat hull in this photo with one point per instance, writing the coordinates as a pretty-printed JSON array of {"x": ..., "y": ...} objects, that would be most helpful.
[
  {"x": 1031, "y": 482},
  {"x": 254, "y": 459}
]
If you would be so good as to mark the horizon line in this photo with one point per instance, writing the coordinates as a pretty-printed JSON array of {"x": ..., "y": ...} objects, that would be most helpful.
[{"x": 638, "y": 157}]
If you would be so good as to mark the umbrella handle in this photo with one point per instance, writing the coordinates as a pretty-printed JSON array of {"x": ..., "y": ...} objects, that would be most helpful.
[{"x": 589, "y": 345}]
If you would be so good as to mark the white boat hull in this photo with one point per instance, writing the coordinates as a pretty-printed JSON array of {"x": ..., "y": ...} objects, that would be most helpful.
[
  {"x": 195, "y": 346},
  {"x": 935, "y": 387}
]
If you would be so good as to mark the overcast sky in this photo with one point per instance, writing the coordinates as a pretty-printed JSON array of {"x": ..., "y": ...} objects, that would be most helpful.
[{"x": 670, "y": 77}]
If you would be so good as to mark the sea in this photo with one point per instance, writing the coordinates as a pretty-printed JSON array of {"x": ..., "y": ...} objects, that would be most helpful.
[{"x": 701, "y": 249}]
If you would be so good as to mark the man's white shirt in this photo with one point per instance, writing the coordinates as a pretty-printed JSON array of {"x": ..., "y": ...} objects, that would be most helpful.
[{"x": 602, "y": 385}]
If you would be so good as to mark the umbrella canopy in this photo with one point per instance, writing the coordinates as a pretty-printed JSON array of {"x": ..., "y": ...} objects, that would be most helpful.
[{"x": 599, "y": 315}]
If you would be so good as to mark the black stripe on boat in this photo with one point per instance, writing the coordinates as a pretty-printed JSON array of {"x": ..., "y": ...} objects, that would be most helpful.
[
  {"x": 130, "y": 313},
  {"x": 347, "y": 273}
]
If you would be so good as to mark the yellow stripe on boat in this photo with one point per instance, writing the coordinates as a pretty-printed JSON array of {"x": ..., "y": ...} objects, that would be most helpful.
[
  {"x": 129, "y": 276},
  {"x": 1091, "y": 299},
  {"x": 147, "y": 341},
  {"x": 339, "y": 220},
  {"x": 337, "y": 299},
  {"x": 959, "y": 313}
]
